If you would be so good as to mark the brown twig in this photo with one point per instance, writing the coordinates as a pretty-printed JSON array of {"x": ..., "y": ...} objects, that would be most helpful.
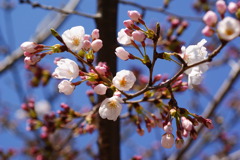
[
  {"x": 221, "y": 94},
  {"x": 41, "y": 34},
  {"x": 161, "y": 10},
  {"x": 63, "y": 11}
]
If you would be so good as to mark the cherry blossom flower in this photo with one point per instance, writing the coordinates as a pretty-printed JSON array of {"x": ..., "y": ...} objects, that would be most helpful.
[
  {"x": 100, "y": 89},
  {"x": 124, "y": 80},
  {"x": 74, "y": 37},
  {"x": 194, "y": 54},
  {"x": 122, "y": 53},
  {"x": 228, "y": 28},
  {"x": 111, "y": 108},
  {"x": 167, "y": 140},
  {"x": 194, "y": 77},
  {"x": 123, "y": 38},
  {"x": 42, "y": 107},
  {"x": 66, "y": 87},
  {"x": 66, "y": 69}
]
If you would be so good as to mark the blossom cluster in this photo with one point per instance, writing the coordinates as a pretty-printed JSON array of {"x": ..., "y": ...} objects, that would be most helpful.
[
  {"x": 227, "y": 28},
  {"x": 115, "y": 88}
]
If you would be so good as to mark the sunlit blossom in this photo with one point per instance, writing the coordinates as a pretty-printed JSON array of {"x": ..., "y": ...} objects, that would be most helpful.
[
  {"x": 124, "y": 80},
  {"x": 66, "y": 69},
  {"x": 74, "y": 37},
  {"x": 111, "y": 108}
]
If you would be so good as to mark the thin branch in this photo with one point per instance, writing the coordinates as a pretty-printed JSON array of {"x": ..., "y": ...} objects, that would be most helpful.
[
  {"x": 161, "y": 10},
  {"x": 53, "y": 20},
  {"x": 221, "y": 94},
  {"x": 63, "y": 11}
]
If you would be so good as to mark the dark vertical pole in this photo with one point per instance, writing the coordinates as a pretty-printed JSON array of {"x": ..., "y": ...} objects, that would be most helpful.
[{"x": 109, "y": 131}]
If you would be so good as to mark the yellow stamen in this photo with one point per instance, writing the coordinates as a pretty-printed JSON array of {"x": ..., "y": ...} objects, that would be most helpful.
[
  {"x": 123, "y": 82},
  {"x": 229, "y": 32},
  {"x": 112, "y": 104},
  {"x": 75, "y": 41}
]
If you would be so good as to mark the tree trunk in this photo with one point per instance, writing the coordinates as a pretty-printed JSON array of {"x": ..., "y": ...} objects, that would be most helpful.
[{"x": 109, "y": 131}]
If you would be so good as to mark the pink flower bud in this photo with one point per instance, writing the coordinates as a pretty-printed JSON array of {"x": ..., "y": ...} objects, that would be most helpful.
[
  {"x": 186, "y": 124},
  {"x": 184, "y": 133},
  {"x": 28, "y": 54},
  {"x": 66, "y": 87},
  {"x": 179, "y": 143},
  {"x": 95, "y": 34},
  {"x": 232, "y": 7},
  {"x": 128, "y": 23},
  {"x": 134, "y": 15},
  {"x": 101, "y": 70},
  {"x": 168, "y": 128},
  {"x": 207, "y": 31},
  {"x": 86, "y": 37},
  {"x": 100, "y": 89},
  {"x": 167, "y": 140},
  {"x": 208, "y": 123},
  {"x": 221, "y": 6},
  {"x": 32, "y": 60},
  {"x": 31, "y": 47},
  {"x": 138, "y": 36},
  {"x": 128, "y": 32},
  {"x": 97, "y": 45},
  {"x": 86, "y": 45},
  {"x": 210, "y": 18},
  {"x": 175, "y": 22},
  {"x": 122, "y": 53}
]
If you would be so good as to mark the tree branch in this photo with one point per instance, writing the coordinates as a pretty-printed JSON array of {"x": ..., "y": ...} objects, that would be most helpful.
[
  {"x": 161, "y": 10},
  {"x": 41, "y": 34},
  {"x": 221, "y": 94},
  {"x": 63, "y": 11}
]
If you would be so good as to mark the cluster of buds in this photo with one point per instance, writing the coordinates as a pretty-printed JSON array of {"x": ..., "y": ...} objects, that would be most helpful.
[
  {"x": 32, "y": 51},
  {"x": 132, "y": 34},
  {"x": 185, "y": 122},
  {"x": 40, "y": 75},
  {"x": 7, "y": 154},
  {"x": 151, "y": 121},
  {"x": 228, "y": 27}
]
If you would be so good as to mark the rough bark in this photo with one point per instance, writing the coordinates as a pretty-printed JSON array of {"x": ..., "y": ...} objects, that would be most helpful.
[{"x": 109, "y": 131}]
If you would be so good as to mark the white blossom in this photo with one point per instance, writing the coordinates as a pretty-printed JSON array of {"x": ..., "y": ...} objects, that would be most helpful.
[
  {"x": 42, "y": 107},
  {"x": 74, "y": 37},
  {"x": 194, "y": 54},
  {"x": 228, "y": 28},
  {"x": 111, "y": 108},
  {"x": 167, "y": 140},
  {"x": 21, "y": 114},
  {"x": 66, "y": 87},
  {"x": 194, "y": 77},
  {"x": 123, "y": 38},
  {"x": 66, "y": 69},
  {"x": 124, "y": 80}
]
